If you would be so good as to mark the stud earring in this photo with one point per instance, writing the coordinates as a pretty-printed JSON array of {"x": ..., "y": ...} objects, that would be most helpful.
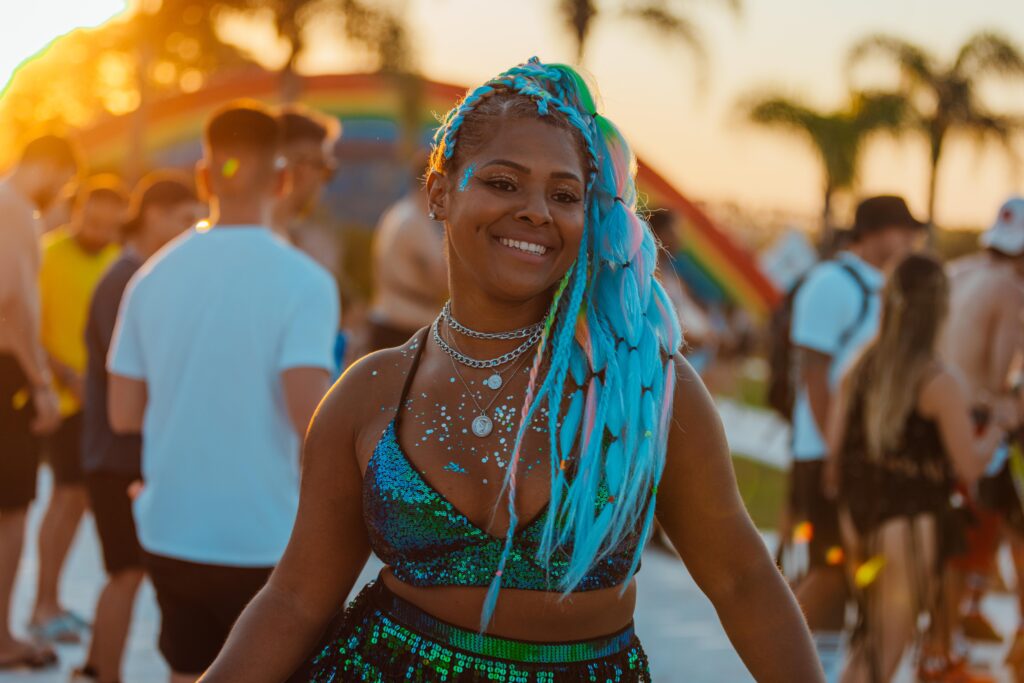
[{"x": 432, "y": 215}]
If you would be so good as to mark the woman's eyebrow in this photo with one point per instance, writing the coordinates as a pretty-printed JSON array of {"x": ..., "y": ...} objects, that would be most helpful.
[
  {"x": 568, "y": 175},
  {"x": 510, "y": 164}
]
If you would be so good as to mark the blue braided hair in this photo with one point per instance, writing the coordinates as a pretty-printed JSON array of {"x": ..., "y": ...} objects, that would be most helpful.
[{"x": 609, "y": 337}]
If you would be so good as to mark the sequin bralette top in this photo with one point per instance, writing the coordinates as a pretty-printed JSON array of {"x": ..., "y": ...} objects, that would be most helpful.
[{"x": 426, "y": 541}]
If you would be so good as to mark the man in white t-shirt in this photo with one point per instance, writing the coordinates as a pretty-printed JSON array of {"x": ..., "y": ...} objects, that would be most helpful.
[
  {"x": 222, "y": 351},
  {"x": 835, "y": 313}
]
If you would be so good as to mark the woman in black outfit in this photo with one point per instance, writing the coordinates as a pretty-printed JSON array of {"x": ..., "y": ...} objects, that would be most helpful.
[{"x": 900, "y": 431}]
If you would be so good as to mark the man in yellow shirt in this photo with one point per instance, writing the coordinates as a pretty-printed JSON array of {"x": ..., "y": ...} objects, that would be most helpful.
[{"x": 74, "y": 258}]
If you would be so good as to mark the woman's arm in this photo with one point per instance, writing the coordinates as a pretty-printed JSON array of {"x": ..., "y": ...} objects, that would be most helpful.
[
  {"x": 700, "y": 509},
  {"x": 327, "y": 550},
  {"x": 835, "y": 434},
  {"x": 944, "y": 399}
]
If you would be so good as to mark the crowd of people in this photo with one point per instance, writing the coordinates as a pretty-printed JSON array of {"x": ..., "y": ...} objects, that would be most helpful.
[
  {"x": 907, "y": 406},
  {"x": 167, "y": 349},
  {"x": 516, "y": 417}
]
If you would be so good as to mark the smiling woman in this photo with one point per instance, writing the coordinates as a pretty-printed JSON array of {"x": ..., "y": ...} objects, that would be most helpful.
[
  {"x": 508, "y": 504},
  {"x": 40, "y": 23}
]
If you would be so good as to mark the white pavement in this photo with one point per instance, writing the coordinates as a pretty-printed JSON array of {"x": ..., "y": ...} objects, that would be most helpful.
[{"x": 675, "y": 621}]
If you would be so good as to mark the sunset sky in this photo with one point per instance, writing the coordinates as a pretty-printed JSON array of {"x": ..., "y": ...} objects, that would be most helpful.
[{"x": 695, "y": 135}]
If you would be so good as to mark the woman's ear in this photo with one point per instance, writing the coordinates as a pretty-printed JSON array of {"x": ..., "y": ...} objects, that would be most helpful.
[
  {"x": 437, "y": 195},
  {"x": 203, "y": 180}
]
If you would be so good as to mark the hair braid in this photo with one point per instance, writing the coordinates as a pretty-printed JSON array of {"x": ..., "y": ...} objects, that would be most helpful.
[{"x": 609, "y": 328}]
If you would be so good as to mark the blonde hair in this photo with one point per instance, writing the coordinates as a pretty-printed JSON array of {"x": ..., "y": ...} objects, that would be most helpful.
[{"x": 888, "y": 375}]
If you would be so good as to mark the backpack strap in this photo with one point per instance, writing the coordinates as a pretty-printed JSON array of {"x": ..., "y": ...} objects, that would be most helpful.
[{"x": 865, "y": 302}]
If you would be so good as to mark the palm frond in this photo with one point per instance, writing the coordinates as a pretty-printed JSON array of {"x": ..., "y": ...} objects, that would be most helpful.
[
  {"x": 778, "y": 110},
  {"x": 989, "y": 53},
  {"x": 914, "y": 64},
  {"x": 578, "y": 16},
  {"x": 674, "y": 27},
  {"x": 881, "y": 111}
]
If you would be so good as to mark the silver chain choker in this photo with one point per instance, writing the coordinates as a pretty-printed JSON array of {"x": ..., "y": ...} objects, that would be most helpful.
[
  {"x": 521, "y": 333},
  {"x": 485, "y": 364}
]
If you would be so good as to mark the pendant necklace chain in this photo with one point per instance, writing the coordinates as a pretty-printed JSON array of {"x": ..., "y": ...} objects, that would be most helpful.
[{"x": 482, "y": 424}]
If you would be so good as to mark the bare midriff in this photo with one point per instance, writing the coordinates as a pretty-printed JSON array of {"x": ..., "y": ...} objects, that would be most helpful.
[{"x": 538, "y": 616}]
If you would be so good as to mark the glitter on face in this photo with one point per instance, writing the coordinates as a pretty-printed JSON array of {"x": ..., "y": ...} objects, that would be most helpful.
[{"x": 466, "y": 177}]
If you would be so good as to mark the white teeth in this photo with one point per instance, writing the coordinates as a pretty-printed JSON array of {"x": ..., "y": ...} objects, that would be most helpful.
[{"x": 528, "y": 247}]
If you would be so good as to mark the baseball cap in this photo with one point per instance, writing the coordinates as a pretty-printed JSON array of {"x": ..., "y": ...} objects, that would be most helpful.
[
  {"x": 1007, "y": 234},
  {"x": 161, "y": 188},
  {"x": 884, "y": 211}
]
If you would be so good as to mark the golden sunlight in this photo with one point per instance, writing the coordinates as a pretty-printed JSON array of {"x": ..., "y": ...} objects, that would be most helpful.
[{"x": 31, "y": 27}]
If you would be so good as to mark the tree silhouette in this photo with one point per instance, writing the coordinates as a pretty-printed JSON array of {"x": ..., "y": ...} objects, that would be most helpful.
[
  {"x": 942, "y": 98},
  {"x": 664, "y": 17},
  {"x": 837, "y": 137}
]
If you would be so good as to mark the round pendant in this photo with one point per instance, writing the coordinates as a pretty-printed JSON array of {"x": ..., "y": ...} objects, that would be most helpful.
[
  {"x": 493, "y": 382},
  {"x": 481, "y": 426}
]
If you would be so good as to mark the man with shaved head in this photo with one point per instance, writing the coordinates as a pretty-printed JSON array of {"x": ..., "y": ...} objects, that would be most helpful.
[{"x": 223, "y": 349}]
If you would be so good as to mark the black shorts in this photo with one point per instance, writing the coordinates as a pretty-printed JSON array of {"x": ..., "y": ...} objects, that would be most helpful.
[
  {"x": 63, "y": 451},
  {"x": 19, "y": 447},
  {"x": 808, "y": 504},
  {"x": 199, "y": 604},
  {"x": 112, "y": 509}
]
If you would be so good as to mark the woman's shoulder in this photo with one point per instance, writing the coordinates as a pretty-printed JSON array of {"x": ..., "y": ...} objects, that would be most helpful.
[
  {"x": 366, "y": 395},
  {"x": 938, "y": 384},
  {"x": 693, "y": 410}
]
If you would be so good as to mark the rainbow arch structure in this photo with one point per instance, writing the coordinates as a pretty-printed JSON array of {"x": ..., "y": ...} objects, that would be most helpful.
[{"x": 368, "y": 105}]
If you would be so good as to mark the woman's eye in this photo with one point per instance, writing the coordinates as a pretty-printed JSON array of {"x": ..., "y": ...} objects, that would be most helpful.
[
  {"x": 565, "y": 197},
  {"x": 502, "y": 184}
]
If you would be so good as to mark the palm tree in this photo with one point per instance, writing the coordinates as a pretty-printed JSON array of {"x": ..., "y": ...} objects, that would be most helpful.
[
  {"x": 942, "y": 98},
  {"x": 663, "y": 16},
  {"x": 836, "y": 136},
  {"x": 376, "y": 26}
]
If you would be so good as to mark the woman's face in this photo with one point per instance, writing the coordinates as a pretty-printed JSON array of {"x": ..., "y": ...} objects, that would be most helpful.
[{"x": 513, "y": 210}]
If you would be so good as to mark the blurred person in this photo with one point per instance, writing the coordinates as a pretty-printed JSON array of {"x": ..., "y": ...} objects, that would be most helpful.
[
  {"x": 539, "y": 209},
  {"x": 163, "y": 205},
  {"x": 74, "y": 259},
  {"x": 308, "y": 147},
  {"x": 308, "y": 138},
  {"x": 410, "y": 276},
  {"x": 222, "y": 350},
  {"x": 58, "y": 213},
  {"x": 835, "y": 313},
  {"x": 697, "y": 327},
  {"x": 984, "y": 335},
  {"x": 900, "y": 428},
  {"x": 28, "y": 403}
]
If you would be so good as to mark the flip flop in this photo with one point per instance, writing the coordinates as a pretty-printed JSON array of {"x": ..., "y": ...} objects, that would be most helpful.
[
  {"x": 31, "y": 658},
  {"x": 80, "y": 623},
  {"x": 60, "y": 629}
]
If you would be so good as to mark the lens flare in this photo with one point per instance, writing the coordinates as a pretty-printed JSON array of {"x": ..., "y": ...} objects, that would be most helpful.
[
  {"x": 868, "y": 572},
  {"x": 834, "y": 556},
  {"x": 803, "y": 533}
]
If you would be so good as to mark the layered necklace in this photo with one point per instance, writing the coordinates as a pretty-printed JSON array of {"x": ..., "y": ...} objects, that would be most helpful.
[{"x": 482, "y": 424}]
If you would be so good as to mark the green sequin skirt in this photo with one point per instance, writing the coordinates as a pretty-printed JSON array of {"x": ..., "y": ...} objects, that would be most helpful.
[{"x": 382, "y": 638}]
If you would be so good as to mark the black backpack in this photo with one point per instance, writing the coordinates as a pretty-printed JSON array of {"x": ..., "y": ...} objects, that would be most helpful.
[{"x": 782, "y": 379}]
